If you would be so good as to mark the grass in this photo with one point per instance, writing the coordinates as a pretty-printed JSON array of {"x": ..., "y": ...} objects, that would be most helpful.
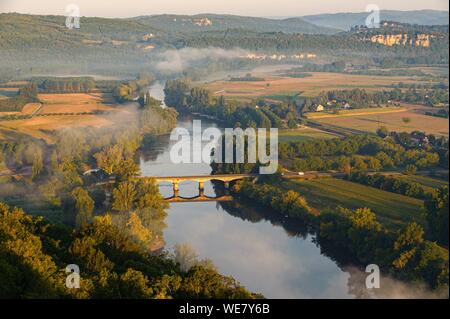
[
  {"x": 302, "y": 134},
  {"x": 353, "y": 112},
  {"x": 44, "y": 127},
  {"x": 309, "y": 86},
  {"x": 428, "y": 183},
  {"x": 393, "y": 210},
  {"x": 393, "y": 121}
]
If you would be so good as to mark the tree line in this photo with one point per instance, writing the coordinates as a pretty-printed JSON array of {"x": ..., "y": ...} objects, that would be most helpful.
[
  {"x": 35, "y": 253},
  {"x": 181, "y": 95},
  {"x": 404, "y": 253},
  {"x": 27, "y": 94}
]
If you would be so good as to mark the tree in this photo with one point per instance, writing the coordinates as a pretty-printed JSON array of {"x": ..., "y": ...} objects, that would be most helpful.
[
  {"x": 109, "y": 159},
  {"x": 410, "y": 169},
  {"x": 407, "y": 244},
  {"x": 185, "y": 256},
  {"x": 84, "y": 206},
  {"x": 437, "y": 213},
  {"x": 135, "y": 285},
  {"x": 124, "y": 197},
  {"x": 406, "y": 120},
  {"x": 38, "y": 164},
  {"x": 382, "y": 131}
]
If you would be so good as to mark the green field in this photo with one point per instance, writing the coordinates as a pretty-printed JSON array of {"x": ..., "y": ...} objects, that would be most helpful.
[
  {"x": 302, "y": 134},
  {"x": 392, "y": 210},
  {"x": 428, "y": 183}
]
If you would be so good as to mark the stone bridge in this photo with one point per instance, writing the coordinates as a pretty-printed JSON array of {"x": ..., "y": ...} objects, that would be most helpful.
[{"x": 200, "y": 179}]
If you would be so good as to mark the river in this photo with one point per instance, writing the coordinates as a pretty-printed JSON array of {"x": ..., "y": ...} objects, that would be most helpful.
[{"x": 247, "y": 243}]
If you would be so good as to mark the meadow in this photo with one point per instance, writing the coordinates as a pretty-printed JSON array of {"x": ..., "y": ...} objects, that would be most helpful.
[
  {"x": 393, "y": 121},
  {"x": 429, "y": 183},
  {"x": 301, "y": 134},
  {"x": 393, "y": 210},
  {"x": 276, "y": 86},
  {"x": 61, "y": 111}
]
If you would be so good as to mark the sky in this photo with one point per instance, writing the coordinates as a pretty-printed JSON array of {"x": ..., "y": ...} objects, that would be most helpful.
[{"x": 261, "y": 8}]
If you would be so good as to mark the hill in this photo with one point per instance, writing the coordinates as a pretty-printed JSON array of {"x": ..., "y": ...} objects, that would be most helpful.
[
  {"x": 344, "y": 21},
  {"x": 214, "y": 22}
]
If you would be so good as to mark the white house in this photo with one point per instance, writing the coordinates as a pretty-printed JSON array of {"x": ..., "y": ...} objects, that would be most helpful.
[{"x": 319, "y": 108}]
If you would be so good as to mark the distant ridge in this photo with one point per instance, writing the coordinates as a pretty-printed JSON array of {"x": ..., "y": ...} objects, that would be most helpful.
[
  {"x": 345, "y": 20},
  {"x": 219, "y": 22}
]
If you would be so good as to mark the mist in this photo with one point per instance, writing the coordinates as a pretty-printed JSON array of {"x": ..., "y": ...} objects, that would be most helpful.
[
  {"x": 390, "y": 288},
  {"x": 177, "y": 61}
]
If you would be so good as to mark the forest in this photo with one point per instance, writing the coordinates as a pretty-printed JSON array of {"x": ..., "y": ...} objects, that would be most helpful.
[
  {"x": 405, "y": 254},
  {"x": 181, "y": 95}
]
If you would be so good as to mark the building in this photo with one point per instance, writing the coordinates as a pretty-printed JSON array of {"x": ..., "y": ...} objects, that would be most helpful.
[{"x": 319, "y": 108}]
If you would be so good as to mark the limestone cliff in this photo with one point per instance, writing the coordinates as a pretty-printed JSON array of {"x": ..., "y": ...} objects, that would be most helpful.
[{"x": 418, "y": 40}]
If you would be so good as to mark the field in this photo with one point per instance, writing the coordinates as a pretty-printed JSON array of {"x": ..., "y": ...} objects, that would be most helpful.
[
  {"x": 310, "y": 86},
  {"x": 391, "y": 209},
  {"x": 428, "y": 183},
  {"x": 8, "y": 92},
  {"x": 354, "y": 112},
  {"x": 392, "y": 120},
  {"x": 75, "y": 102},
  {"x": 302, "y": 134},
  {"x": 43, "y": 127}
]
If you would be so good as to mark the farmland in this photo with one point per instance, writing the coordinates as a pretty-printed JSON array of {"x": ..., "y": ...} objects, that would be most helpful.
[
  {"x": 75, "y": 102},
  {"x": 304, "y": 133},
  {"x": 309, "y": 86},
  {"x": 59, "y": 111},
  {"x": 428, "y": 183},
  {"x": 391, "y": 209},
  {"x": 354, "y": 112},
  {"x": 394, "y": 121}
]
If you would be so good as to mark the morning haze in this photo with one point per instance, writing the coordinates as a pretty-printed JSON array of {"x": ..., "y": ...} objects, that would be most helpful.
[{"x": 262, "y": 8}]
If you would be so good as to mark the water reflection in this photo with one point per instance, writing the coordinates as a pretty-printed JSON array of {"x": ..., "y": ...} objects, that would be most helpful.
[{"x": 275, "y": 257}]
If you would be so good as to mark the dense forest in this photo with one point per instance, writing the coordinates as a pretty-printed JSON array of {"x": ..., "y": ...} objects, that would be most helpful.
[
  {"x": 122, "y": 46},
  {"x": 35, "y": 254},
  {"x": 181, "y": 95},
  {"x": 405, "y": 254}
]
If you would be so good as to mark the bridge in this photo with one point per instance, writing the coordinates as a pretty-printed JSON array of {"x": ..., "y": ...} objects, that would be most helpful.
[{"x": 200, "y": 179}]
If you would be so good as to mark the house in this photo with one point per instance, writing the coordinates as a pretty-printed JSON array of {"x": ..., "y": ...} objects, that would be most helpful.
[
  {"x": 347, "y": 106},
  {"x": 319, "y": 108}
]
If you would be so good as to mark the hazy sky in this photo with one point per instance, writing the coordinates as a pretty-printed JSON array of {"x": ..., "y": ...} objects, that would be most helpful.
[{"x": 267, "y": 8}]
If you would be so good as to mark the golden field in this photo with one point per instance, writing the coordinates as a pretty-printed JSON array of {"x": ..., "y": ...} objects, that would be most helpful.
[
  {"x": 308, "y": 86},
  {"x": 370, "y": 122},
  {"x": 43, "y": 127}
]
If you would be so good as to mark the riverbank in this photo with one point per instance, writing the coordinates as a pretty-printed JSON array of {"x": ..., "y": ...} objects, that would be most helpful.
[{"x": 404, "y": 254}]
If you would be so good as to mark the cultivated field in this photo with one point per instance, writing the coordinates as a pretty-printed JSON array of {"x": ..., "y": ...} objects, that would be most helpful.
[
  {"x": 8, "y": 92},
  {"x": 309, "y": 86},
  {"x": 427, "y": 182},
  {"x": 66, "y": 106},
  {"x": 394, "y": 121},
  {"x": 75, "y": 102},
  {"x": 391, "y": 209},
  {"x": 301, "y": 134},
  {"x": 354, "y": 112},
  {"x": 43, "y": 127}
]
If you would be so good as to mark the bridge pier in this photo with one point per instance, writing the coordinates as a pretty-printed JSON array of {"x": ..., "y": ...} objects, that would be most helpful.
[
  {"x": 201, "y": 188},
  {"x": 176, "y": 189},
  {"x": 226, "y": 186}
]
